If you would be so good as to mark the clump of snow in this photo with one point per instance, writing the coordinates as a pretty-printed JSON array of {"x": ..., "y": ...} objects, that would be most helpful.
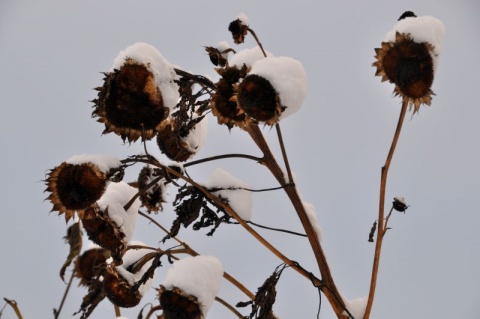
[
  {"x": 198, "y": 276},
  {"x": 312, "y": 216},
  {"x": 103, "y": 162},
  {"x": 162, "y": 70},
  {"x": 288, "y": 78},
  {"x": 234, "y": 191},
  {"x": 197, "y": 135},
  {"x": 248, "y": 57},
  {"x": 400, "y": 199},
  {"x": 356, "y": 307},
  {"x": 115, "y": 197},
  {"x": 243, "y": 19},
  {"x": 130, "y": 257},
  {"x": 422, "y": 29}
]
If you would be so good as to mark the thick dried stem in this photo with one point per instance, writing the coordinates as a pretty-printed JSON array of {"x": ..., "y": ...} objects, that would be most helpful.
[
  {"x": 332, "y": 293},
  {"x": 381, "y": 211}
]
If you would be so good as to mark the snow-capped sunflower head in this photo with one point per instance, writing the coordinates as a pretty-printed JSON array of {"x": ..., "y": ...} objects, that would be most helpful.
[
  {"x": 75, "y": 187},
  {"x": 90, "y": 265},
  {"x": 274, "y": 88},
  {"x": 137, "y": 95},
  {"x": 408, "y": 57},
  {"x": 239, "y": 28},
  {"x": 258, "y": 99},
  {"x": 118, "y": 290},
  {"x": 177, "y": 304}
]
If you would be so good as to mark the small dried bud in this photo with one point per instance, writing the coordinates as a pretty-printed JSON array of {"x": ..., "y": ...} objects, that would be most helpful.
[
  {"x": 399, "y": 204},
  {"x": 239, "y": 31}
]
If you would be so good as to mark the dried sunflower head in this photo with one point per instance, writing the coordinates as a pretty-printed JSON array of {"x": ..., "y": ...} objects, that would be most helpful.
[
  {"x": 176, "y": 304},
  {"x": 257, "y": 98},
  {"x": 221, "y": 103},
  {"x": 104, "y": 232},
  {"x": 171, "y": 142},
  {"x": 90, "y": 265},
  {"x": 75, "y": 187},
  {"x": 408, "y": 58},
  {"x": 130, "y": 104},
  {"x": 119, "y": 291},
  {"x": 137, "y": 94}
]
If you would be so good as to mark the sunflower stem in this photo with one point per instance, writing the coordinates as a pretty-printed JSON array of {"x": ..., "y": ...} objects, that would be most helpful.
[
  {"x": 257, "y": 40},
  {"x": 331, "y": 292},
  {"x": 381, "y": 222}
]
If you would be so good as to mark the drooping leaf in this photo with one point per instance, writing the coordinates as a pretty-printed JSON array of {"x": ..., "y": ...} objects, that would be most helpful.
[{"x": 74, "y": 240}]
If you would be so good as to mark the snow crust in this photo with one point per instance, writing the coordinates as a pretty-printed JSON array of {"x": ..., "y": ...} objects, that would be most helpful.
[
  {"x": 312, "y": 216},
  {"x": 239, "y": 199},
  {"x": 288, "y": 78},
  {"x": 130, "y": 257},
  {"x": 243, "y": 18},
  {"x": 115, "y": 197},
  {"x": 356, "y": 307},
  {"x": 422, "y": 29},
  {"x": 401, "y": 200},
  {"x": 248, "y": 57},
  {"x": 103, "y": 162},
  {"x": 197, "y": 136},
  {"x": 199, "y": 276},
  {"x": 162, "y": 70}
]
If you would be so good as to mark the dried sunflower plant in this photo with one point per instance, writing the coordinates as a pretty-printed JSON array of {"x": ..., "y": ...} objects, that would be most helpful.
[{"x": 143, "y": 98}]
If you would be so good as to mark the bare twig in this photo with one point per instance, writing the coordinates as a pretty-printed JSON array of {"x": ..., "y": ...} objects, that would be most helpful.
[
  {"x": 381, "y": 221},
  {"x": 192, "y": 252},
  {"x": 14, "y": 305},
  {"x": 67, "y": 289},
  {"x": 218, "y": 157},
  {"x": 284, "y": 153}
]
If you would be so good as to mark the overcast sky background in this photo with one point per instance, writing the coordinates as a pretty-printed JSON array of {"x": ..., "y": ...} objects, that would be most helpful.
[{"x": 51, "y": 56}]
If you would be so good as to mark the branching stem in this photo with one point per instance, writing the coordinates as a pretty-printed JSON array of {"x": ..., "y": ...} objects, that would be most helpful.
[{"x": 381, "y": 222}]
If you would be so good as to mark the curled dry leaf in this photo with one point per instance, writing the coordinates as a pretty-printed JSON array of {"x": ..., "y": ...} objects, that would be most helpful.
[{"x": 74, "y": 239}]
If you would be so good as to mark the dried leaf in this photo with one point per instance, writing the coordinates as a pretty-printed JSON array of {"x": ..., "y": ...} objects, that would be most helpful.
[
  {"x": 74, "y": 240},
  {"x": 372, "y": 232},
  {"x": 265, "y": 297}
]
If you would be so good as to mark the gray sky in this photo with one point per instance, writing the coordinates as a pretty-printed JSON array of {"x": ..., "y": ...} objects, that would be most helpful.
[{"x": 51, "y": 56}]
